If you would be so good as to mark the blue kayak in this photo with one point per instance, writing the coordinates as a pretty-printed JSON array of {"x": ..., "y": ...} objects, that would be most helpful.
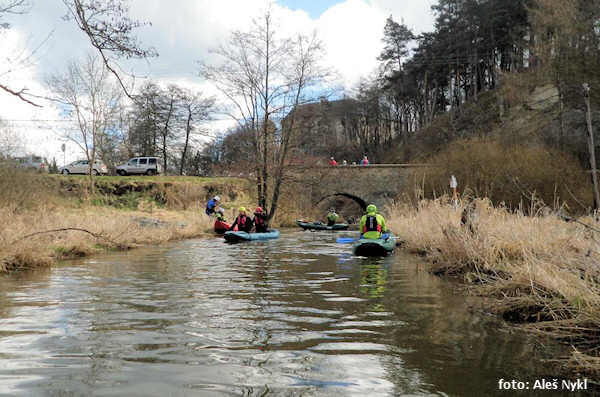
[
  {"x": 236, "y": 237},
  {"x": 374, "y": 247}
]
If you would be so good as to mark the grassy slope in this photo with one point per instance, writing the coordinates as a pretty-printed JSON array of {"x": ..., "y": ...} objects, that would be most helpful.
[{"x": 117, "y": 215}]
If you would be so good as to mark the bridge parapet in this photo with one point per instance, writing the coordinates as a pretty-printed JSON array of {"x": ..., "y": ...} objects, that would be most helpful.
[{"x": 375, "y": 183}]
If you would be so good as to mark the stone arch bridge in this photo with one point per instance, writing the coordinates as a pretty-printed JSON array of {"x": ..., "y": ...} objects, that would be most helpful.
[{"x": 373, "y": 184}]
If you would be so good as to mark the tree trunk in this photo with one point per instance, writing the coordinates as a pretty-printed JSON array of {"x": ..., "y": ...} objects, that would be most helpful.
[
  {"x": 188, "y": 129},
  {"x": 591, "y": 148}
]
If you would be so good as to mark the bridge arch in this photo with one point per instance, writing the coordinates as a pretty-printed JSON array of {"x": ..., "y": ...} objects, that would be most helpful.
[{"x": 358, "y": 200}]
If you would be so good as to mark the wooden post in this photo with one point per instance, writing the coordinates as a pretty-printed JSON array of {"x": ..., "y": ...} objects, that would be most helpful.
[
  {"x": 561, "y": 138},
  {"x": 588, "y": 116}
]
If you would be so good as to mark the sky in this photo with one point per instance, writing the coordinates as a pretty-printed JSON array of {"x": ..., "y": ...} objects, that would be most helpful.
[{"x": 182, "y": 32}]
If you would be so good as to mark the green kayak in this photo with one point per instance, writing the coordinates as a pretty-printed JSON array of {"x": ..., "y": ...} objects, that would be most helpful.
[
  {"x": 321, "y": 226},
  {"x": 374, "y": 247}
]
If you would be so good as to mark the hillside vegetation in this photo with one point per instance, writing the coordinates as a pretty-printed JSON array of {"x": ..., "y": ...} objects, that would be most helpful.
[{"x": 47, "y": 218}]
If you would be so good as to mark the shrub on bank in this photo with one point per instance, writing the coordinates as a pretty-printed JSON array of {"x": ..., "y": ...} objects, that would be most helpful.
[{"x": 509, "y": 173}]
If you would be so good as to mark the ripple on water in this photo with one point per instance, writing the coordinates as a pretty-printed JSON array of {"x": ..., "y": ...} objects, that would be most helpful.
[{"x": 294, "y": 316}]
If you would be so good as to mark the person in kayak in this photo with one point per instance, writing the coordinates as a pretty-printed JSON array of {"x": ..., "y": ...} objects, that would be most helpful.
[
  {"x": 372, "y": 224},
  {"x": 243, "y": 222},
  {"x": 211, "y": 206},
  {"x": 332, "y": 217},
  {"x": 260, "y": 220},
  {"x": 220, "y": 215}
]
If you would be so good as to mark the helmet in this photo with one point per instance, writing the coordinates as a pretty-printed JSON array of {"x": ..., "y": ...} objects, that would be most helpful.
[
  {"x": 258, "y": 210},
  {"x": 221, "y": 210},
  {"x": 332, "y": 209},
  {"x": 371, "y": 208},
  {"x": 217, "y": 198},
  {"x": 242, "y": 209}
]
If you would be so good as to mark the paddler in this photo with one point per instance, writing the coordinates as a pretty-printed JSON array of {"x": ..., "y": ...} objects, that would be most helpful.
[
  {"x": 260, "y": 220},
  {"x": 211, "y": 206},
  {"x": 243, "y": 222},
  {"x": 372, "y": 224},
  {"x": 332, "y": 217},
  {"x": 220, "y": 215}
]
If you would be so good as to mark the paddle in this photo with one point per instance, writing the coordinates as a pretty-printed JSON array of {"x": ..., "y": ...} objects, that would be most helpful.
[
  {"x": 346, "y": 240},
  {"x": 349, "y": 240}
]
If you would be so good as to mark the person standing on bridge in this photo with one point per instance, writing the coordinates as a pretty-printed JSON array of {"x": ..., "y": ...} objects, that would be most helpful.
[
  {"x": 332, "y": 217},
  {"x": 372, "y": 224},
  {"x": 364, "y": 161},
  {"x": 332, "y": 161}
]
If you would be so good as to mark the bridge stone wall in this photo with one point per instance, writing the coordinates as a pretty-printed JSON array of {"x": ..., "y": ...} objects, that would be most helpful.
[{"x": 373, "y": 184}]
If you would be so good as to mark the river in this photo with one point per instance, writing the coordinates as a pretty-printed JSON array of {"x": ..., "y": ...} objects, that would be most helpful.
[{"x": 294, "y": 316}]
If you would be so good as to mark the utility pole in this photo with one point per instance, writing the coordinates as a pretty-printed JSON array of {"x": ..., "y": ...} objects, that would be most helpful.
[{"x": 588, "y": 116}]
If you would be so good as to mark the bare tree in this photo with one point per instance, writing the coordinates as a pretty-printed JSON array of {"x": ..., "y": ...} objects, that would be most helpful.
[
  {"x": 195, "y": 109},
  {"x": 11, "y": 7},
  {"x": 265, "y": 76},
  {"x": 10, "y": 140},
  {"x": 107, "y": 25},
  {"x": 88, "y": 95},
  {"x": 21, "y": 58},
  {"x": 110, "y": 30}
]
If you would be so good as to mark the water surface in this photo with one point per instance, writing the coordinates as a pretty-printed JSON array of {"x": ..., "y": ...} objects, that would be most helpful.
[{"x": 294, "y": 316}]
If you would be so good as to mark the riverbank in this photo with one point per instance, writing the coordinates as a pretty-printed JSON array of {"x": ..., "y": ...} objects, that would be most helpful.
[
  {"x": 48, "y": 218},
  {"x": 41, "y": 238},
  {"x": 538, "y": 271}
]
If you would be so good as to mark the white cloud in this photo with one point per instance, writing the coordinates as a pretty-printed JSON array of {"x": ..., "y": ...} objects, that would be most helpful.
[{"x": 182, "y": 31}]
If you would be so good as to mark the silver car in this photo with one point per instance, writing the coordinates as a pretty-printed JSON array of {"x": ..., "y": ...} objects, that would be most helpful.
[
  {"x": 83, "y": 167},
  {"x": 34, "y": 162},
  {"x": 140, "y": 165}
]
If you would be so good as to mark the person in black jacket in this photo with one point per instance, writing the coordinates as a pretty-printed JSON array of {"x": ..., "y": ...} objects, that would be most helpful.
[
  {"x": 260, "y": 220},
  {"x": 243, "y": 222}
]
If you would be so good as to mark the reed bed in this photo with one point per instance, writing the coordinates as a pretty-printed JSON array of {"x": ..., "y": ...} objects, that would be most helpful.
[
  {"x": 538, "y": 270},
  {"x": 39, "y": 238}
]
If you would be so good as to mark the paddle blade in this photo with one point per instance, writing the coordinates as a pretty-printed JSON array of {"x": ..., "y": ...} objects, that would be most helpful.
[{"x": 346, "y": 240}]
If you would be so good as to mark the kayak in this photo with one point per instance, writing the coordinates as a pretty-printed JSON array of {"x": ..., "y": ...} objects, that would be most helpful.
[
  {"x": 321, "y": 226},
  {"x": 374, "y": 247},
  {"x": 221, "y": 227},
  {"x": 235, "y": 237}
]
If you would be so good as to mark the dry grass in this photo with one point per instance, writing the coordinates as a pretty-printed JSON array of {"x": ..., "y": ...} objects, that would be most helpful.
[
  {"x": 114, "y": 230},
  {"x": 501, "y": 171},
  {"x": 538, "y": 270}
]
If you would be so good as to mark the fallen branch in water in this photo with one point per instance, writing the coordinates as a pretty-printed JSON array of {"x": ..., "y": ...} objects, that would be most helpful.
[{"x": 66, "y": 229}]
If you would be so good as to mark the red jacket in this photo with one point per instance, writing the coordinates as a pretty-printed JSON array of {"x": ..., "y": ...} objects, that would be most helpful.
[{"x": 333, "y": 162}]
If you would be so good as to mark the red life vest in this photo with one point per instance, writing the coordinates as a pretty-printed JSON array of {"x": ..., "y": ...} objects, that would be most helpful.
[
  {"x": 259, "y": 219},
  {"x": 371, "y": 224},
  {"x": 241, "y": 221}
]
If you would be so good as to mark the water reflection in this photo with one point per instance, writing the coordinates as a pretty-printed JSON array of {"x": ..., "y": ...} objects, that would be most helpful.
[{"x": 298, "y": 315}]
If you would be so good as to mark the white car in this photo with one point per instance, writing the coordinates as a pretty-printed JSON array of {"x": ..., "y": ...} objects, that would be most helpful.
[
  {"x": 140, "y": 165},
  {"x": 83, "y": 167}
]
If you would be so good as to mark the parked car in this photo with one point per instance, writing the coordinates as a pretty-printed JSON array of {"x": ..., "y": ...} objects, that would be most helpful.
[
  {"x": 83, "y": 167},
  {"x": 141, "y": 165},
  {"x": 34, "y": 162}
]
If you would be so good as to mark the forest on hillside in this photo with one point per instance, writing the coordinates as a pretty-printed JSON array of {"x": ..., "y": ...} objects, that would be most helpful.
[
  {"x": 505, "y": 71},
  {"x": 476, "y": 47}
]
